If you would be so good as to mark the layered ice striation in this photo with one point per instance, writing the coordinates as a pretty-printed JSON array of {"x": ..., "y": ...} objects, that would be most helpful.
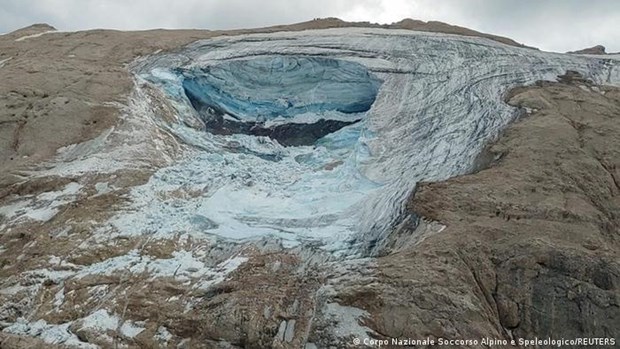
[
  {"x": 319, "y": 137},
  {"x": 281, "y": 87},
  {"x": 294, "y": 100}
]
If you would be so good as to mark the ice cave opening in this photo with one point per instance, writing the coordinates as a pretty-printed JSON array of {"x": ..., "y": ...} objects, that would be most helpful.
[{"x": 294, "y": 100}]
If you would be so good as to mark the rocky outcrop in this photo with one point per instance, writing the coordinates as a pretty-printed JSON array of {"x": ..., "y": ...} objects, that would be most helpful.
[
  {"x": 407, "y": 23},
  {"x": 30, "y": 31},
  {"x": 59, "y": 89},
  {"x": 441, "y": 27},
  {"x": 594, "y": 50},
  {"x": 9, "y": 341}
]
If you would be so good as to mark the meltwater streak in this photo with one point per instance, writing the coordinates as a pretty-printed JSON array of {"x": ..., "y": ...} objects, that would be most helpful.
[{"x": 438, "y": 103}]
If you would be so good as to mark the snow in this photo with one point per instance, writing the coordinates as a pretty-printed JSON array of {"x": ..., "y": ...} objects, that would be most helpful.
[
  {"x": 103, "y": 188},
  {"x": 134, "y": 143},
  {"x": 12, "y": 290},
  {"x": 347, "y": 321},
  {"x": 90, "y": 156},
  {"x": 3, "y": 61},
  {"x": 193, "y": 269},
  {"x": 26, "y": 37},
  {"x": 56, "y": 276},
  {"x": 42, "y": 207},
  {"x": 222, "y": 270},
  {"x": 49, "y": 333},
  {"x": 163, "y": 335},
  {"x": 183, "y": 266},
  {"x": 130, "y": 330},
  {"x": 100, "y": 321},
  {"x": 59, "y": 298}
]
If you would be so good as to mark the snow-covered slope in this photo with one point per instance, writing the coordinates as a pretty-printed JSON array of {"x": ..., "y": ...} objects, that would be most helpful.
[{"x": 413, "y": 106}]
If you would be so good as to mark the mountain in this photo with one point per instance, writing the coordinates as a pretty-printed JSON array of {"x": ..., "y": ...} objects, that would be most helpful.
[{"x": 304, "y": 186}]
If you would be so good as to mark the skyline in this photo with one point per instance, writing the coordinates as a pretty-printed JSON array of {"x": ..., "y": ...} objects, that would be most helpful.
[{"x": 552, "y": 25}]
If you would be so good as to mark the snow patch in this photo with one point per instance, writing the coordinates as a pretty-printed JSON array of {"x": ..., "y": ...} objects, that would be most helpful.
[
  {"x": 49, "y": 333},
  {"x": 182, "y": 266},
  {"x": 100, "y": 321},
  {"x": 347, "y": 321},
  {"x": 59, "y": 298},
  {"x": 3, "y": 61},
  {"x": 42, "y": 207},
  {"x": 102, "y": 188},
  {"x": 26, "y": 37},
  {"x": 135, "y": 143},
  {"x": 163, "y": 336},
  {"x": 13, "y": 290}
]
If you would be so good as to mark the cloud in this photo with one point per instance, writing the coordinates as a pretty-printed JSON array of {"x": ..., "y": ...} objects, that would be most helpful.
[
  {"x": 554, "y": 25},
  {"x": 146, "y": 14},
  {"x": 557, "y": 25}
]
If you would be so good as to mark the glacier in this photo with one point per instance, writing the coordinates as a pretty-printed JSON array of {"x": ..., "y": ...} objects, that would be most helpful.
[
  {"x": 318, "y": 138},
  {"x": 281, "y": 86}
]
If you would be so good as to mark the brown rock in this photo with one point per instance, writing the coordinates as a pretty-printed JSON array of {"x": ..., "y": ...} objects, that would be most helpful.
[
  {"x": 516, "y": 251},
  {"x": 594, "y": 50}
]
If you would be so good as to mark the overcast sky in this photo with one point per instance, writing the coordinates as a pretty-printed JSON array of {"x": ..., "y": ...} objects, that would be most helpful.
[{"x": 554, "y": 25}]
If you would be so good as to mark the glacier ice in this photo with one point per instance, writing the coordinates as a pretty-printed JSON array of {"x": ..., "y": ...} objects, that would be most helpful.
[
  {"x": 413, "y": 107},
  {"x": 281, "y": 86}
]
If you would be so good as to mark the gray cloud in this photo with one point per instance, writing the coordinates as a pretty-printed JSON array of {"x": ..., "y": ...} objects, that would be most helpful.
[
  {"x": 147, "y": 14},
  {"x": 557, "y": 25}
]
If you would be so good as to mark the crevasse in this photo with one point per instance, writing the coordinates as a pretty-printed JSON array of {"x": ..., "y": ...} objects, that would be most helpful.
[{"x": 318, "y": 137}]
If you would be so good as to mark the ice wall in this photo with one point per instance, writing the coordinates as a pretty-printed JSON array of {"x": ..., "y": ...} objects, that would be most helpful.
[{"x": 281, "y": 86}]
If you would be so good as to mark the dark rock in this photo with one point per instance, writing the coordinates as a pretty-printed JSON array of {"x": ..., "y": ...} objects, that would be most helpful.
[{"x": 290, "y": 134}]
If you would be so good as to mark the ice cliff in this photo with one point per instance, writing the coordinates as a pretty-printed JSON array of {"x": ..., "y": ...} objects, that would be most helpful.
[{"x": 318, "y": 137}]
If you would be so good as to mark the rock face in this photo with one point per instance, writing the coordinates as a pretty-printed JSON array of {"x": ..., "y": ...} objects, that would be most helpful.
[
  {"x": 594, "y": 50},
  {"x": 31, "y": 31},
  {"x": 146, "y": 203},
  {"x": 530, "y": 247},
  {"x": 65, "y": 98}
]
